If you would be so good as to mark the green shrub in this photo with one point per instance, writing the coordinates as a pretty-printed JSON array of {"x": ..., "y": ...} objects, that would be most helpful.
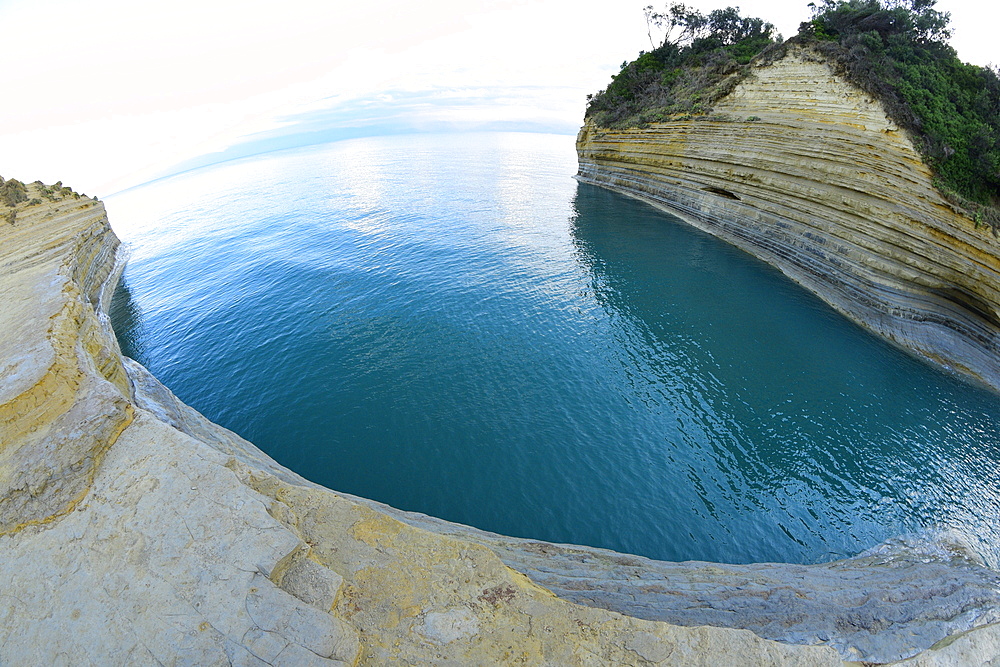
[
  {"x": 688, "y": 72},
  {"x": 13, "y": 191},
  {"x": 897, "y": 51}
]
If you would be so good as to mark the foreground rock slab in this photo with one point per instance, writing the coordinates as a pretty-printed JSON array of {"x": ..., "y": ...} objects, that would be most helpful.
[{"x": 133, "y": 531}]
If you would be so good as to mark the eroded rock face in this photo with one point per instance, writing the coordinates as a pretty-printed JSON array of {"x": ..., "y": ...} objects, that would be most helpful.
[
  {"x": 61, "y": 401},
  {"x": 807, "y": 173},
  {"x": 135, "y": 531}
]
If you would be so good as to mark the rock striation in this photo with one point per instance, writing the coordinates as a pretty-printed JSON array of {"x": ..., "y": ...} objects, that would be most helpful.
[
  {"x": 134, "y": 531},
  {"x": 806, "y": 172}
]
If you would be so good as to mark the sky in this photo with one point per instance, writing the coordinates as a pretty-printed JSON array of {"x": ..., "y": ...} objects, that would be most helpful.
[{"x": 108, "y": 94}]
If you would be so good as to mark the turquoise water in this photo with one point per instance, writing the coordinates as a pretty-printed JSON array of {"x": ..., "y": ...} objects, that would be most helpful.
[{"x": 451, "y": 324}]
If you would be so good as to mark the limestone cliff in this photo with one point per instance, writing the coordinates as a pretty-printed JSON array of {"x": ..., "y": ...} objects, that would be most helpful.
[
  {"x": 806, "y": 172},
  {"x": 134, "y": 531}
]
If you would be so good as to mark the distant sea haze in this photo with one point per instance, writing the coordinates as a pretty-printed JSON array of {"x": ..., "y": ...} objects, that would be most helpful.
[{"x": 451, "y": 324}]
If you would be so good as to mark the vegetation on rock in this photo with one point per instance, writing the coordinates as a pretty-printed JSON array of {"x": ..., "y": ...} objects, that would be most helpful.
[
  {"x": 12, "y": 191},
  {"x": 701, "y": 59},
  {"x": 896, "y": 50}
]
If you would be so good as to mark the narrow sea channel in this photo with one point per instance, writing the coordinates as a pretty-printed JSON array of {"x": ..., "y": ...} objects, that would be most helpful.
[{"x": 452, "y": 324}]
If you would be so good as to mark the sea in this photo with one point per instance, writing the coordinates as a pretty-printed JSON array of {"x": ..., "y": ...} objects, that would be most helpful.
[{"x": 453, "y": 325}]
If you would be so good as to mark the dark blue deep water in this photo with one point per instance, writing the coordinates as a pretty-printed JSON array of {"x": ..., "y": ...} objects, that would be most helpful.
[{"x": 451, "y": 324}]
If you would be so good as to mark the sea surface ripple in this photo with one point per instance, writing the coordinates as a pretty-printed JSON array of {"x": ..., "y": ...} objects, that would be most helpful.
[{"x": 451, "y": 324}]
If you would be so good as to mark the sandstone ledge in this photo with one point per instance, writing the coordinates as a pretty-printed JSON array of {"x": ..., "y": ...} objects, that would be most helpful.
[
  {"x": 807, "y": 172},
  {"x": 134, "y": 531}
]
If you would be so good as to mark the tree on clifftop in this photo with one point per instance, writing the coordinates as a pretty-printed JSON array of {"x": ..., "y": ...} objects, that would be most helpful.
[
  {"x": 682, "y": 75},
  {"x": 897, "y": 50},
  {"x": 685, "y": 26}
]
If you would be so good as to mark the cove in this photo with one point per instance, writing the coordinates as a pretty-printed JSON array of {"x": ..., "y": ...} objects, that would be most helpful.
[{"x": 452, "y": 325}]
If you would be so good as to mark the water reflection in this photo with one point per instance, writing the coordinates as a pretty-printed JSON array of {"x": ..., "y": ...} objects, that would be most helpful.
[{"x": 788, "y": 418}]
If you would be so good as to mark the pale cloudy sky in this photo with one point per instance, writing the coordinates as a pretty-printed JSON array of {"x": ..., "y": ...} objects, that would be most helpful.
[{"x": 110, "y": 93}]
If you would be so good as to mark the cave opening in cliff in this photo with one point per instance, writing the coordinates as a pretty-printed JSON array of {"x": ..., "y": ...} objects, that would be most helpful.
[{"x": 722, "y": 192}]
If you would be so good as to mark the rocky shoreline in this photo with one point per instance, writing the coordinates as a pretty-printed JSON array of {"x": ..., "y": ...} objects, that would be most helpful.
[{"x": 134, "y": 531}]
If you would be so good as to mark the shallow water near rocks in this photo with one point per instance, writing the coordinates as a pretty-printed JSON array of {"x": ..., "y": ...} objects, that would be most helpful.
[{"x": 451, "y": 324}]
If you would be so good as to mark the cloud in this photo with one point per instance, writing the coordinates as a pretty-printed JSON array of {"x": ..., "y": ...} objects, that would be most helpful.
[{"x": 524, "y": 109}]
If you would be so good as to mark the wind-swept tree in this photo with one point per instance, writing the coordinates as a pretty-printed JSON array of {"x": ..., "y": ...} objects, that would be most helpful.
[
  {"x": 686, "y": 69},
  {"x": 683, "y": 26}
]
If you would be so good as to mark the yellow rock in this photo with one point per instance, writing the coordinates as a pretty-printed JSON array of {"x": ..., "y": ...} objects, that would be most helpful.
[{"x": 825, "y": 187}]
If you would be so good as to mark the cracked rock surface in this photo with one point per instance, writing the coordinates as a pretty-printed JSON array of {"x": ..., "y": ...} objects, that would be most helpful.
[{"x": 133, "y": 531}]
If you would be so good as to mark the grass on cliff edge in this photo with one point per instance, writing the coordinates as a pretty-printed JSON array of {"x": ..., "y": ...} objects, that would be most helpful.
[{"x": 896, "y": 50}]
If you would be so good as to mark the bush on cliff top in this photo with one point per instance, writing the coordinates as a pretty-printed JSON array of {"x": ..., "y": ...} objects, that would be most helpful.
[
  {"x": 12, "y": 191},
  {"x": 701, "y": 59},
  {"x": 898, "y": 52},
  {"x": 895, "y": 50}
]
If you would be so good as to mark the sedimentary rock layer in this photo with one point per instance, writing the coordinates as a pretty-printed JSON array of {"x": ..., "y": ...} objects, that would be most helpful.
[
  {"x": 806, "y": 172},
  {"x": 135, "y": 531}
]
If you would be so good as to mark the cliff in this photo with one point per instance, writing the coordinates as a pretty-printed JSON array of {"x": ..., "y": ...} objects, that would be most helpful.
[
  {"x": 807, "y": 172},
  {"x": 134, "y": 531}
]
